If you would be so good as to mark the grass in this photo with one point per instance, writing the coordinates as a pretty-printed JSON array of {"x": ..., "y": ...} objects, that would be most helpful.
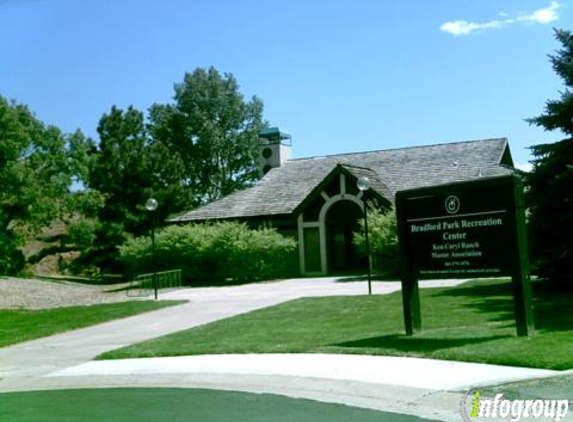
[
  {"x": 22, "y": 325},
  {"x": 473, "y": 322},
  {"x": 540, "y": 388},
  {"x": 176, "y": 405}
]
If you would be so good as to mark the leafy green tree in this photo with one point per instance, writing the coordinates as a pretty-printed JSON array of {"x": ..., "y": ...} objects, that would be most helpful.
[
  {"x": 128, "y": 168},
  {"x": 383, "y": 238},
  {"x": 213, "y": 130},
  {"x": 550, "y": 193},
  {"x": 38, "y": 164}
]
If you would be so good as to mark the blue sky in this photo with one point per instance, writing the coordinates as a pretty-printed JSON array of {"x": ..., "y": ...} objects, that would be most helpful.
[{"x": 339, "y": 75}]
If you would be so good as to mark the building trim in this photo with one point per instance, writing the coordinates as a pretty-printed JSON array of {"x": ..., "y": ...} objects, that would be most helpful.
[{"x": 322, "y": 224}]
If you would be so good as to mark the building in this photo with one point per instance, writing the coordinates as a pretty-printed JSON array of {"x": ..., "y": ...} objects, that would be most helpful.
[{"x": 316, "y": 200}]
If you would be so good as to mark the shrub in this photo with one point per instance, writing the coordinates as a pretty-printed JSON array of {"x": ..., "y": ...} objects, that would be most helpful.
[
  {"x": 11, "y": 257},
  {"x": 383, "y": 237},
  {"x": 211, "y": 252}
]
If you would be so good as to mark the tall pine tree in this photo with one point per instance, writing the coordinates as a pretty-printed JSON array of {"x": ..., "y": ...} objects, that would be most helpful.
[
  {"x": 550, "y": 194},
  {"x": 128, "y": 168}
]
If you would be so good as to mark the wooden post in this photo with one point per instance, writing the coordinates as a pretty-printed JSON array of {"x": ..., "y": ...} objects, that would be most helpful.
[
  {"x": 411, "y": 305},
  {"x": 524, "y": 316},
  {"x": 410, "y": 290}
]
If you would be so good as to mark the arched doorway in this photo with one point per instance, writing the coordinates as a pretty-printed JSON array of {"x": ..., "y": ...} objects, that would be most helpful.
[{"x": 342, "y": 220}]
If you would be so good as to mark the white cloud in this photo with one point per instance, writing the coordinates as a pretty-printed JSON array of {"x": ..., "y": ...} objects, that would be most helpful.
[
  {"x": 463, "y": 27},
  {"x": 543, "y": 16}
]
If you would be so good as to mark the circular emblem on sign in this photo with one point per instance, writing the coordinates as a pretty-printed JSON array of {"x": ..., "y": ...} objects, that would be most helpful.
[{"x": 452, "y": 204}]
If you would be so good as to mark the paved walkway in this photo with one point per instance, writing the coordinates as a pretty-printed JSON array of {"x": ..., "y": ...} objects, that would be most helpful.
[
  {"x": 421, "y": 387},
  {"x": 40, "y": 357}
]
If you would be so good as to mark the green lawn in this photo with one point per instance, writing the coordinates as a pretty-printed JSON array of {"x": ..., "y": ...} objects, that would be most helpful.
[
  {"x": 473, "y": 322},
  {"x": 22, "y": 325},
  {"x": 177, "y": 405}
]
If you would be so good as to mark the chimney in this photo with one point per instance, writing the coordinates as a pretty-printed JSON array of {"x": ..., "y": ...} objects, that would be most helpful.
[{"x": 274, "y": 149}]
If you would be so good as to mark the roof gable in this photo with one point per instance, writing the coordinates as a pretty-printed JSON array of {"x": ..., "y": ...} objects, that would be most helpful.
[{"x": 379, "y": 191}]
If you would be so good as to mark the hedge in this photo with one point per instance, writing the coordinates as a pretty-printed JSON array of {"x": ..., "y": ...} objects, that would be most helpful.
[{"x": 214, "y": 252}]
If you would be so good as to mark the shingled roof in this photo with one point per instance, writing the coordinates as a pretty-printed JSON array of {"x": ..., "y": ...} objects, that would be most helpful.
[{"x": 283, "y": 189}]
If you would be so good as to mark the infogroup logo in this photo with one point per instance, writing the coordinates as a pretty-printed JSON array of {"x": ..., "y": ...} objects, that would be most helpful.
[{"x": 475, "y": 406}]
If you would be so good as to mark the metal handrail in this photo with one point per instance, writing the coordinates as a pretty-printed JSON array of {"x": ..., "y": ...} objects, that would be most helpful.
[{"x": 142, "y": 284}]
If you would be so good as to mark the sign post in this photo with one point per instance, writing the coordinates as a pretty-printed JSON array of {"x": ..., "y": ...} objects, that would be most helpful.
[{"x": 464, "y": 230}]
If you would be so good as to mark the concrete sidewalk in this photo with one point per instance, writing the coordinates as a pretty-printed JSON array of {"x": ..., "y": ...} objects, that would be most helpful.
[
  {"x": 421, "y": 387},
  {"x": 428, "y": 374},
  {"x": 42, "y": 356}
]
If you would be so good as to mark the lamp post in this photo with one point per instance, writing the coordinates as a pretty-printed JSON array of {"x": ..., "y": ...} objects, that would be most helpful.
[
  {"x": 363, "y": 185},
  {"x": 151, "y": 206}
]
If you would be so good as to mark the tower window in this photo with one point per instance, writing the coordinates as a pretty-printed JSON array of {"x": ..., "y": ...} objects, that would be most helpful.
[{"x": 267, "y": 152}]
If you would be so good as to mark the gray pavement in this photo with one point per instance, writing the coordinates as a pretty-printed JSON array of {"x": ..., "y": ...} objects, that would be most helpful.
[
  {"x": 421, "y": 387},
  {"x": 42, "y": 356}
]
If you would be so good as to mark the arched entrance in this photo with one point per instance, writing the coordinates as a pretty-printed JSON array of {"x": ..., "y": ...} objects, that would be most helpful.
[{"x": 341, "y": 221}]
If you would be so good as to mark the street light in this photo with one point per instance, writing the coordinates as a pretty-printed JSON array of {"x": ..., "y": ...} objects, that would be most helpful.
[
  {"x": 363, "y": 185},
  {"x": 151, "y": 206}
]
